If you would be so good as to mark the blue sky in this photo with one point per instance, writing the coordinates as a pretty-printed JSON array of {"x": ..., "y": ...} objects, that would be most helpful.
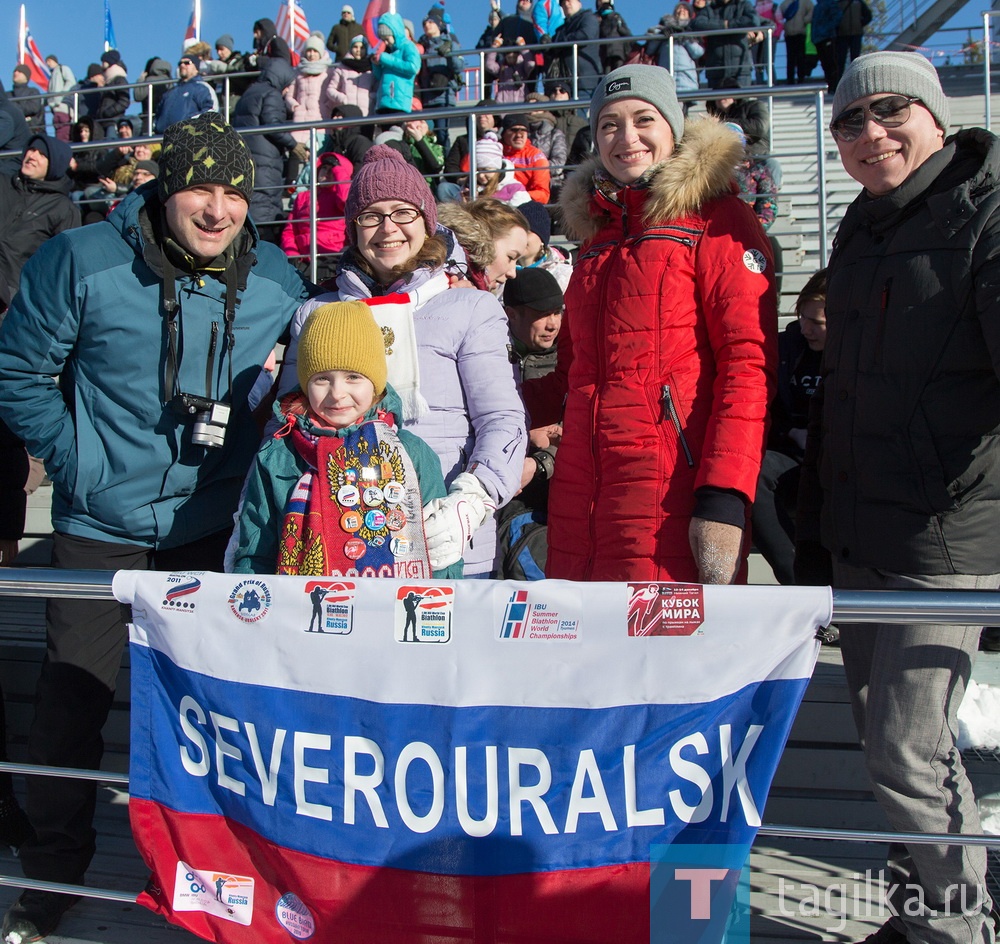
[{"x": 74, "y": 29}]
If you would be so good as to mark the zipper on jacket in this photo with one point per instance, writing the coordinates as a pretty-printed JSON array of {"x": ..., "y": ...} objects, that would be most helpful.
[
  {"x": 594, "y": 251},
  {"x": 883, "y": 309},
  {"x": 598, "y": 393},
  {"x": 671, "y": 410},
  {"x": 209, "y": 361},
  {"x": 676, "y": 239}
]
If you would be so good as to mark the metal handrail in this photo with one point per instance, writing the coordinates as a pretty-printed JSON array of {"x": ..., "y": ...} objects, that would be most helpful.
[
  {"x": 849, "y": 606},
  {"x": 954, "y": 607},
  {"x": 469, "y": 112}
]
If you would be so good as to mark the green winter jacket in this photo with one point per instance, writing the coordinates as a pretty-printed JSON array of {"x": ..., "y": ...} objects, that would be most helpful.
[{"x": 278, "y": 468}]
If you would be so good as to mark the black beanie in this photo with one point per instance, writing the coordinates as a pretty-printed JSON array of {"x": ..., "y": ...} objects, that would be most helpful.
[{"x": 204, "y": 150}]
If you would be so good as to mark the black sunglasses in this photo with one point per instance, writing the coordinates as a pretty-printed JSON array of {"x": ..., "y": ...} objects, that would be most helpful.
[{"x": 889, "y": 112}]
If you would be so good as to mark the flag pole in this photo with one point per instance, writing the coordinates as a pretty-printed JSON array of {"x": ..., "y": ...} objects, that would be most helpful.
[
  {"x": 291, "y": 25},
  {"x": 197, "y": 20},
  {"x": 20, "y": 38}
]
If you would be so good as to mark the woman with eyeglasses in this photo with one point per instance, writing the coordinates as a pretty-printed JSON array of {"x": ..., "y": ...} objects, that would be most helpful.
[
  {"x": 667, "y": 351},
  {"x": 446, "y": 349}
]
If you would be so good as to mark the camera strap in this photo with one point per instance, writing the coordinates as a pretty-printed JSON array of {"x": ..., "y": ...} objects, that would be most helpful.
[{"x": 171, "y": 368}]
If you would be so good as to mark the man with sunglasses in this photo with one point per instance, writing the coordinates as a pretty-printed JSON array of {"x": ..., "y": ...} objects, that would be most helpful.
[
  {"x": 189, "y": 97},
  {"x": 901, "y": 486}
]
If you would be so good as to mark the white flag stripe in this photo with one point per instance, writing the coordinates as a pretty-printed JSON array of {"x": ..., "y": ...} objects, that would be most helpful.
[{"x": 748, "y": 634}]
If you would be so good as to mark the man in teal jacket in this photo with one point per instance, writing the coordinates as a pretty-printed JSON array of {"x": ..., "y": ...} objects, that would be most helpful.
[{"x": 156, "y": 323}]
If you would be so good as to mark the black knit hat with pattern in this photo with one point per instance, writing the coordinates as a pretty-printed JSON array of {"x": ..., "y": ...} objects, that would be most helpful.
[{"x": 204, "y": 150}]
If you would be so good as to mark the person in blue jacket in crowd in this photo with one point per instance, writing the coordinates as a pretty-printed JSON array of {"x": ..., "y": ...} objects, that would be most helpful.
[
  {"x": 189, "y": 97},
  {"x": 156, "y": 323},
  {"x": 395, "y": 67}
]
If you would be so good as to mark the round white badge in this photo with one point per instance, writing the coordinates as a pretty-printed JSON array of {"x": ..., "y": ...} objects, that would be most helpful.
[
  {"x": 755, "y": 260},
  {"x": 295, "y": 917}
]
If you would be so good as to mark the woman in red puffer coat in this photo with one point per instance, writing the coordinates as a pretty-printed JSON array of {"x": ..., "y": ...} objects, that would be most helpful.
[{"x": 668, "y": 348}]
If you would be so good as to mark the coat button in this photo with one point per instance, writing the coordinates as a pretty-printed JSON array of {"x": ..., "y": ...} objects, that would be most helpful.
[
  {"x": 841, "y": 476},
  {"x": 842, "y": 395}
]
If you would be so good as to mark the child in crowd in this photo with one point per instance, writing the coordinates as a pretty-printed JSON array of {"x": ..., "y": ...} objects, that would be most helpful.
[
  {"x": 339, "y": 489},
  {"x": 494, "y": 175}
]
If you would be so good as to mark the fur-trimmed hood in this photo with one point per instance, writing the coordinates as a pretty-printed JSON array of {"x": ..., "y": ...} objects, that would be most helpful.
[{"x": 701, "y": 167}]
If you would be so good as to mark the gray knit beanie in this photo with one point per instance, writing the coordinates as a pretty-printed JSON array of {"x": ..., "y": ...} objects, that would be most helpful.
[
  {"x": 894, "y": 73},
  {"x": 651, "y": 84}
]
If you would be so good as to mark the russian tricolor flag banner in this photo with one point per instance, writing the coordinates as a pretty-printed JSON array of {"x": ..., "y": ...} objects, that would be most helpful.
[{"x": 347, "y": 759}]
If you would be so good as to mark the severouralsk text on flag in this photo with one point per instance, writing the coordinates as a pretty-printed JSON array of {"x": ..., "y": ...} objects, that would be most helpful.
[{"x": 381, "y": 760}]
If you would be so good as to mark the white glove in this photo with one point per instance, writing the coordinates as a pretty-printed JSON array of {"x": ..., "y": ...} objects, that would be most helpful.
[{"x": 450, "y": 522}]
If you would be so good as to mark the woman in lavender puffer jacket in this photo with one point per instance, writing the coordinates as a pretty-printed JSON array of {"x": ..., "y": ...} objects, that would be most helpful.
[{"x": 446, "y": 348}]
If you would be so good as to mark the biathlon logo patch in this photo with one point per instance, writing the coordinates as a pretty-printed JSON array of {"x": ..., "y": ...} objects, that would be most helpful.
[
  {"x": 332, "y": 606},
  {"x": 755, "y": 260},
  {"x": 226, "y": 896},
  {"x": 423, "y": 614},
  {"x": 665, "y": 609}
]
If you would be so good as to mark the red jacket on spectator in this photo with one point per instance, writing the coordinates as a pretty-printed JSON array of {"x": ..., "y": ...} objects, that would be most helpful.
[
  {"x": 531, "y": 168},
  {"x": 667, "y": 356},
  {"x": 334, "y": 182}
]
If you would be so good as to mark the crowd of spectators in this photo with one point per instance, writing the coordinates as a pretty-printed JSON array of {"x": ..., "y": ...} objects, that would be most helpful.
[
  {"x": 415, "y": 67},
  {"x": 658, "y": 477}
]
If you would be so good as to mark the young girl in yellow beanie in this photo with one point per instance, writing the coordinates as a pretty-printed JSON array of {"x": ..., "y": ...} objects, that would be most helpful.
[{"x": 339, "y": 489}]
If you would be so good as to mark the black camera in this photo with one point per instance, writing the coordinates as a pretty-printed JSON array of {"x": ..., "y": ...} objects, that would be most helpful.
[{"x": 210, "y": 418}]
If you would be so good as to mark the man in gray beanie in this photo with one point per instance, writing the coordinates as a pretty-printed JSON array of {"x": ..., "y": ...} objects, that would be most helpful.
[
  {"x": 156, "y": 322},
  {"x": 901, "y": 485}
]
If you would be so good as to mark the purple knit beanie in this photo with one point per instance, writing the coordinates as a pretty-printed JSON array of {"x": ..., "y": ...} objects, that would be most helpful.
[{"x": 385, "y": 175}]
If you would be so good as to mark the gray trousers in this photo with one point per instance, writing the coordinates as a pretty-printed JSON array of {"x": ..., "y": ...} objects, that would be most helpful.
[{"x": 906, "y": 684}]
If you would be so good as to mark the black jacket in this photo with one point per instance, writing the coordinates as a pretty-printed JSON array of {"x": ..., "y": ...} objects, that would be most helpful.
[
  {"x": 27, "y": 99},
  {"x": 613, "y": 54},
  {"x": 14, "y": 133},
  {"x": 582, "y": 25},
  {"x": 262, "y": 104},
  {"x": 727, "y": 59},
  {"x": 902, "y": 465},
  {"x": 348, "y": 141},
  {"x": 13, "y": 475},
  {"x": 270, "y": 45},
  {"x": 31, "y": 211}
]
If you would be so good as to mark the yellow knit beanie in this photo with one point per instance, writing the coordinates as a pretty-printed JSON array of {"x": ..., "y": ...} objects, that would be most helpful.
[{"x": 342, "y": 336}]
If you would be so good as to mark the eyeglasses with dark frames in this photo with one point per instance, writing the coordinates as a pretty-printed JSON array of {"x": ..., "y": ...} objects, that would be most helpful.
[
  {"x": 889, "y": 112},
  {"x": 185, "y": 62},
  {"x": 400, "y": 216}
]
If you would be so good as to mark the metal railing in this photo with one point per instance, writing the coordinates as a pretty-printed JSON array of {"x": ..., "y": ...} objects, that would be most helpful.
[
  {"x": 469, "y": 114},
  {"x": 957, "y": 607}
]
